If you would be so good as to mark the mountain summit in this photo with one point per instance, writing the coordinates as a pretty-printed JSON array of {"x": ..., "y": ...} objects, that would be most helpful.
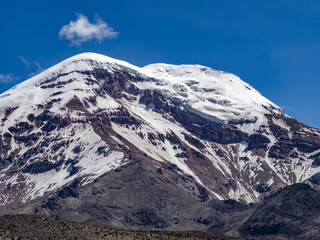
[{"x": 184, "y": 133}]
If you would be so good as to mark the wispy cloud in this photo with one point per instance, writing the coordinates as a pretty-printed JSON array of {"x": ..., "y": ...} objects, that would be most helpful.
[
  {"x": 33, "y": 65},
  {"x": 25, "y": 61},
  {"x": 8, "y": 78},
  {"x": 38, "y": 70},
  {"x": 81, "y": 30}
]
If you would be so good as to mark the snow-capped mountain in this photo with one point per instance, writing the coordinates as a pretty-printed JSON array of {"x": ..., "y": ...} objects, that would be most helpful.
[{"x": 204, "y": 130}]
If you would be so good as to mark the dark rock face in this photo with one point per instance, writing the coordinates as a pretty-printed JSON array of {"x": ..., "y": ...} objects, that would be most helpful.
[
  {"x": 261, "y": 188},
  {"x": 290, "y": 212},
  {"x": 258, "y": 141},
  {"x": 315, "y": 179},
  {"x": 228, "y": 206},
  {"x": 67, "y": 192},
  {"x": 51, "y": 204},
  {"x": 115, "y": 84},
  {"x": 147, "y": 218},
  {"x": 123, "y": 117},
  {"x": 42, "y": 167},
  {"x": 316, "y": 162},
  {"x": 21, "y": 127},
  {"x": 76, "y": 104}
]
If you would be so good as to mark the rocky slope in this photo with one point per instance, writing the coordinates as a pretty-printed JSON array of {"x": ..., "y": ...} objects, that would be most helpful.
[
  {"x": 290, "y": 212},
  {"x": 95, "y": 137},
  {"x": 35, "y": 227}
]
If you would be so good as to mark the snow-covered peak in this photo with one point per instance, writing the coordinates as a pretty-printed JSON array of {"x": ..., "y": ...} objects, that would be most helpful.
[
  {"x": 32, "y": 91},
  {"x": 91, "y": 59},
  {"x": 215, "y": 94},
  {"x": 80, "y": 62},
  {"x": 219, "y": 94}
]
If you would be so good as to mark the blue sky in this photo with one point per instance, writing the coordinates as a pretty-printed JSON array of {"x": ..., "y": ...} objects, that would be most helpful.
[{"x": 274, "y": 45}]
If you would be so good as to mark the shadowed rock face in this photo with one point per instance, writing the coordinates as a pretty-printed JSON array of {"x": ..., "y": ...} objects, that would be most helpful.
[
  {"x": 110, "y": 142},
  {"x": 291, "y": 212}
]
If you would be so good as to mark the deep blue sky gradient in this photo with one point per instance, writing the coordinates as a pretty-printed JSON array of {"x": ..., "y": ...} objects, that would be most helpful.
[{"x": 274, "y": 45}]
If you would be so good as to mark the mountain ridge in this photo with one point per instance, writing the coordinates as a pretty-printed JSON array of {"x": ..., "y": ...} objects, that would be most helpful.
[{"x": 186, "y": 129}]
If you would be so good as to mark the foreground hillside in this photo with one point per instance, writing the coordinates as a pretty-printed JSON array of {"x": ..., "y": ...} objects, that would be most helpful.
[{"x": 39, "y": 227}]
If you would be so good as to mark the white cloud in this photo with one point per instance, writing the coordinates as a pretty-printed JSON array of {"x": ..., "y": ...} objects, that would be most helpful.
[
  {"x": 81, "y": 30},
  {"x": 8, "y": 78}
]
